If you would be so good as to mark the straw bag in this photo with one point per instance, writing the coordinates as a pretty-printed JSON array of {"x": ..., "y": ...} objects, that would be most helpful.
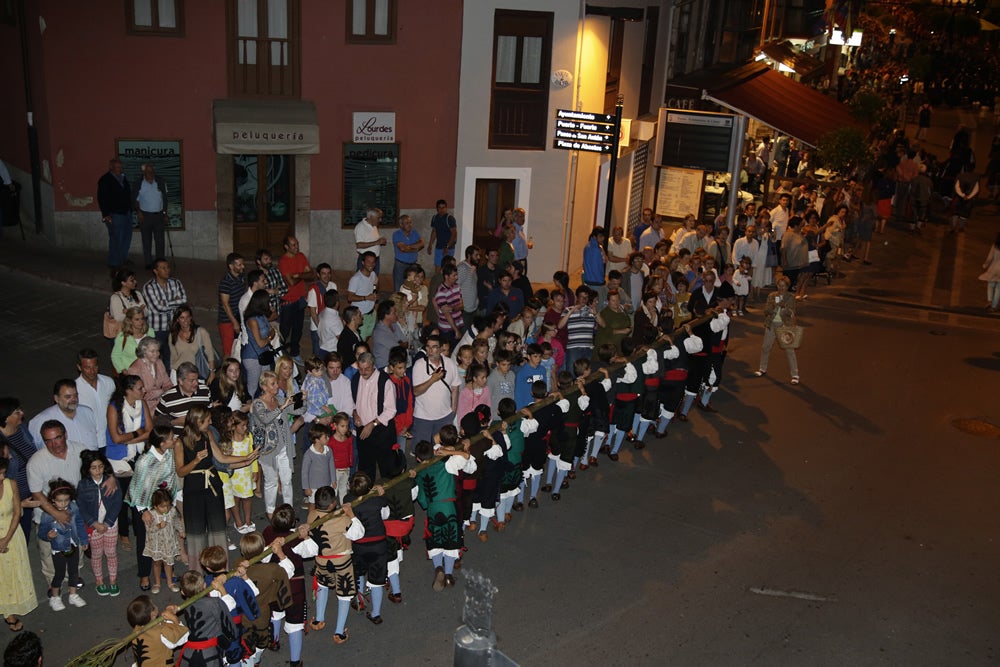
[
  {"x": 112, "y": 327},
  {"x": 789, "y": 337}
]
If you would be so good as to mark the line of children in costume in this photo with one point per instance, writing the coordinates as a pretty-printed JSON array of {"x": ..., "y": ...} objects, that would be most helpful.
[{"x": 359, "y": 551}]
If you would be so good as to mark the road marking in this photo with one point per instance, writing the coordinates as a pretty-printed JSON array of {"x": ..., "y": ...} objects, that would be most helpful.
[
  {"x": 798, "y": 595},
  {"x": 928, "y": 295},
  {"x": 956, "y": 280}
]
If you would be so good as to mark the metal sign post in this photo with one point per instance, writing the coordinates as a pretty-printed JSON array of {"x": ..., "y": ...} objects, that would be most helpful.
[{"x": 609, "y": 203}]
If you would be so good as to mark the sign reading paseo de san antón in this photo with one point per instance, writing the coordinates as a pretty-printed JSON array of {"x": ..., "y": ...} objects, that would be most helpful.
[{"x": 584, "y": 131}]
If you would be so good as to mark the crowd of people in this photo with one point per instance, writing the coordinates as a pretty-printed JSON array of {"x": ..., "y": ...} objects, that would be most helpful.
[{"x": 165, "y": 458}]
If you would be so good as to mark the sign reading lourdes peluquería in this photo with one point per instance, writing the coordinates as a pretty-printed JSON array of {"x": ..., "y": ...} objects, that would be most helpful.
[{"x": 584, "y": 131}]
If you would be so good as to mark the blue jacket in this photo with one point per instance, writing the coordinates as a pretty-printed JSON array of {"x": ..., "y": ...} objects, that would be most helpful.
[
  {"x": 88, "y": 499},
  {"x": 67, "y": 535},
  {"x": 593, "y": 263}
]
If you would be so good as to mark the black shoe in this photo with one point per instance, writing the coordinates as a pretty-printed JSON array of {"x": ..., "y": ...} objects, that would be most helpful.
[
  {"x": 639, "y": 444},
  {"x": 613, "y": 457},
  {"x": 556, "y": 497},
  {"x": 533, "y": 503},
  {"x": 564, "y": 485},
  {"x": 546, "y": 488}
]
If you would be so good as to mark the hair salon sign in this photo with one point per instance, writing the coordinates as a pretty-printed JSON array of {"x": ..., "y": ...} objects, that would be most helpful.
[{"x": 375, "y": 127}]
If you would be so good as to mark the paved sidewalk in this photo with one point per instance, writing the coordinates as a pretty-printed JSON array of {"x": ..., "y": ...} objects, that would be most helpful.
[{"x": 937, "y": 270}]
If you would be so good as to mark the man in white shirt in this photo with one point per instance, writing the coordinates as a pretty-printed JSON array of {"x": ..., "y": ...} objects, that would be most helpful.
[
  {"x": 653, "y": 235},
  {"x": 341, "y": 397},
  {"x": 435, "y": 391},
  {"x": 619, "y": 248},
  {"x": 151, "y": 211},
  {"x": 330, "y": 325},
  {"x": 779, "y": 216},
  {"x": 367, "y": 237},
  {"x": 77, "y": 420},
  {"x": 58, "y": 458},
  {"x": 362, "y": 291},
  {"x": 697, "y": 238},
  {"x": 316, "y": 301},
  {"x": 94, "y": 390}
]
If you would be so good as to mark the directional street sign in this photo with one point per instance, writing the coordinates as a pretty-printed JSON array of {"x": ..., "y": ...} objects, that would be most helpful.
[{"x": 585, "y": 131}]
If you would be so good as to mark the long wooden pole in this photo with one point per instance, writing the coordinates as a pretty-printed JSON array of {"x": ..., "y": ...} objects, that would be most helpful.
[{"x": 103, "y": 654}]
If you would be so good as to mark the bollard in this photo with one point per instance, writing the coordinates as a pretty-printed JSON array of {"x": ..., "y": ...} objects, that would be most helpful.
[{"x": 475, "y": 641}]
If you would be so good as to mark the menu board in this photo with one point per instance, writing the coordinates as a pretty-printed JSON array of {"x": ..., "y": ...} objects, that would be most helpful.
[{"x": 678, "y": 192}]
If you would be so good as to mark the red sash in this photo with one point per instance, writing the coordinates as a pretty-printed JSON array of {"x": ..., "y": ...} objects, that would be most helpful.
[
  {"x": 196, "y": 646},
  {"x": 398, "y": 527}
]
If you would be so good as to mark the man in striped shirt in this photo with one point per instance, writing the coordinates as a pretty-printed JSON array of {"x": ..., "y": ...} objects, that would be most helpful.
[
  {"x": 163, "y": 295},
  {"x": 189, "y": 392},
  {"x": 581, "y": 322},
  {"x": 448, "y": 300}
]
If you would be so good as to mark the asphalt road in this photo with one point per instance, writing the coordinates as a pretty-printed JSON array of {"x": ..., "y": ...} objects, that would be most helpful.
[{"x": 843, "y": 521}]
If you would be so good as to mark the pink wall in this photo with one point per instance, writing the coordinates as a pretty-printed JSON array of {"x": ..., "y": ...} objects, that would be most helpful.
[
  {"x": 13, "y": 109},
  {"x": 101, "y": 84},
  {"x": 417, "y": 78}
]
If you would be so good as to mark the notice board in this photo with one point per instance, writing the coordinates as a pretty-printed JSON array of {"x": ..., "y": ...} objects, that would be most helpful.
[{"x": 678, "y": 192}]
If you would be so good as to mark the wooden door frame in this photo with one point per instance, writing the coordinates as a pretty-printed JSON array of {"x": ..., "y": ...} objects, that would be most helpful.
[{"x": 522, "y": 195}]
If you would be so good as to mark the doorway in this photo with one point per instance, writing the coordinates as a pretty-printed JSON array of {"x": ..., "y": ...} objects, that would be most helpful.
[
  {"x": 263, "y": 202},
  {"x": 493, "y": 197}
]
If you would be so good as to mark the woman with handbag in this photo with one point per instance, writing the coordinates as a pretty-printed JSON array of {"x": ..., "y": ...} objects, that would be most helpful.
[
  {"x": 129, "y": 422},
  {"x": 191, "y": 343},
  {"x": 125, "y": 295},
  {"x": 779, "y": 314},
  {"x": 273, "y": 418},
  {"x": 135, "y": 327},
  {"x": 256, "y": 355}
]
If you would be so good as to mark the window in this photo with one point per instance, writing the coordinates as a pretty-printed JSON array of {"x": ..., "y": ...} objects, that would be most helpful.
[
  {"x": 522, "y": 53},
  {"x": 371, "y": 21},
  {"x": 613, "y": 76},
  {"x": 264, "y": 58},
  {"x": 155, "y": 17}
]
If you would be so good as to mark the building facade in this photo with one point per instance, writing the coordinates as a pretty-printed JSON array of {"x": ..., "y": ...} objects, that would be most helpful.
[{"x": 266, "y": 117}]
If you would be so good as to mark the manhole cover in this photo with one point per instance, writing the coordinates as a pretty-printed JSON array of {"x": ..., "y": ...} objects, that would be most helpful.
[{"x": 977, "y": 427}]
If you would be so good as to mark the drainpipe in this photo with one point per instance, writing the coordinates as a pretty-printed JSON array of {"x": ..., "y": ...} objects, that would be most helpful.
[
  {"x": 33, "y": 152},
  {"x": 574, "y": 158}
]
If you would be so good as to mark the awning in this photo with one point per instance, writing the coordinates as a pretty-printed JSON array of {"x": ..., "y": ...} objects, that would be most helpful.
[
  {"x": 986, "y": 26},
  {"x": 757, "y": 91},
  {"x": 287, "y": 127},
  {"x": 785, "y": 53}
]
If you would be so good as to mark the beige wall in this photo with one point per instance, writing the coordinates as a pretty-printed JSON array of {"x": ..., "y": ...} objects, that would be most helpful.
[{"x": 558, "y": 190}]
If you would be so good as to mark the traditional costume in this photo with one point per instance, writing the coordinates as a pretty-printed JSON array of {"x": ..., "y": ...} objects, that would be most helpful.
[
  {"x": 210, "y": 630},
  {"x": 155, "y": 647},
  {"x": 442, "y": 528},
  {"x": 331, "y": 544}
]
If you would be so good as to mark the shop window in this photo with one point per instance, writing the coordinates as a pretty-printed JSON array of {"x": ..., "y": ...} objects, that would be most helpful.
[
  {"x": 155, "y": 17},
  {"x": 371, "y": 21},
  {"x": 519, "y": 102},
  {"x": 264, "y": 48}
]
